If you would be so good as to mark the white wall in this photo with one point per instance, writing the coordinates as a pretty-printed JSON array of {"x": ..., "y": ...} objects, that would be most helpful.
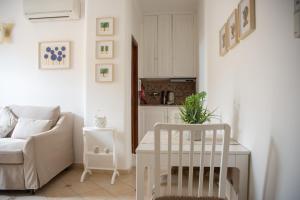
[
  {"x": 113, "y": 98},
  {"x": 256, "y": 88},
  {"x": 75, "y": 90},
  {"x": 21, "y": 82}
]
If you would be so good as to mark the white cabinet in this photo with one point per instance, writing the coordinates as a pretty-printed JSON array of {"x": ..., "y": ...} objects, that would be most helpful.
[
  {"x": 174, "y": 115},
  {"x": 164, "y": 46},
  {"x": 150, "y": 115},
  {"x": 150, "y": 46},
  {"x": 168, "y": 46},
  {"x": 183, "y": 46}
]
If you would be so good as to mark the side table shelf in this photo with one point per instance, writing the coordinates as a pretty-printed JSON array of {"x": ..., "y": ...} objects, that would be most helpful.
[{"x": 98, "y": 138}]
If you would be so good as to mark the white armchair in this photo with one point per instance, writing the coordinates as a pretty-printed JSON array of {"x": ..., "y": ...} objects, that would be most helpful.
[{"x": 29, "y": 164}]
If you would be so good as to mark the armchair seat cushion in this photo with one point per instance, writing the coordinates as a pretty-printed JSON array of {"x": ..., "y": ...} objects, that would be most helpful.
[{"x": 11, "y": 151}]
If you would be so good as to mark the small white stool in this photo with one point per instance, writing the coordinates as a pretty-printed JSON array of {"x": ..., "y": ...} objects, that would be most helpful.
[{"x": 100, "y": 138}]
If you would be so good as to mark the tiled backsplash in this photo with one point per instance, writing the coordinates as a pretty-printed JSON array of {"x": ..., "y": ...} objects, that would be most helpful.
[{"x": 153, "y": 90}]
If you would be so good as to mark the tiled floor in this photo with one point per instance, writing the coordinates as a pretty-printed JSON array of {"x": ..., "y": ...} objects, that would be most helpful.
[{"x": 67, "y": 186}]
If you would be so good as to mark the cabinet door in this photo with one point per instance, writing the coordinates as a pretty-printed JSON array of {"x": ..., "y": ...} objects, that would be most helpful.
[
  {"x": 174, "y": 115},
  {"x": 150, "y": 47},
  {"x": 164, "y": 46},
  {"x": 151, "y": 116},
  {"x": 183, "y": 46}
]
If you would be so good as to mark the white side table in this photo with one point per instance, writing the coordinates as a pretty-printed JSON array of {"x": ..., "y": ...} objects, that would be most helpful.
[{"x": 101, "y": 139}]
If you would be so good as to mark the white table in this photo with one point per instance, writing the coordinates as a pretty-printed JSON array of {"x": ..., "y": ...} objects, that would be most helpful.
[
  {"x": 101, "y": 138},
  {"x": 238, "y": 158}
]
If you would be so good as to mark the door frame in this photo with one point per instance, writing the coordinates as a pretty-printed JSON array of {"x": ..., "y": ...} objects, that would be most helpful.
[{"x": 134, "y": 95}]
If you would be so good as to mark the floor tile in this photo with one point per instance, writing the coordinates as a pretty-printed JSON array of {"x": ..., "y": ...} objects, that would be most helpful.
[{"x": 67, "y": 186}]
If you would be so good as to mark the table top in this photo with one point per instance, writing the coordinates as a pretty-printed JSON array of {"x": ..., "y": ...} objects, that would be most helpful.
[{"x": 147, "y": 144}]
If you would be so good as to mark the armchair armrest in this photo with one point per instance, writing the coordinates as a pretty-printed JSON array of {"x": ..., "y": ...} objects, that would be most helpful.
[{"x": 48, "y": 153}]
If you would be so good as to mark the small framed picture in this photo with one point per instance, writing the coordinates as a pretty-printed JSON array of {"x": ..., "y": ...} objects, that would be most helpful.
[
  {"x": 105, "y": 26},
  {"x": 104, "y": 72},
  {"x": 223, "y": 38},
  {"x": 54, "y": 55},
  {"x": 232, "y": 25},
  {"x": 104, "y": 49},
  {"x": 246, "y": 16}
]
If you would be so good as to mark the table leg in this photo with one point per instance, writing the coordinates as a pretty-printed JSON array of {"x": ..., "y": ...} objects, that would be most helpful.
[
  {"x": 113, "y": 178},
  {"x": 84, "y": 174},
  {"x": 242, "y": 162},
  {"x": 140, "y": 168},
  {"x": 150, "y": 180}
]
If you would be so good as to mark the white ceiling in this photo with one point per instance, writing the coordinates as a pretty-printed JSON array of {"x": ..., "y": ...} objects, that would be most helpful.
[{"x": 150, "y": 6}]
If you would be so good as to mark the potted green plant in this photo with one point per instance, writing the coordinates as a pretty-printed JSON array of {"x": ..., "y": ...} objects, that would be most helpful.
[{"x": 193, "y": 110}]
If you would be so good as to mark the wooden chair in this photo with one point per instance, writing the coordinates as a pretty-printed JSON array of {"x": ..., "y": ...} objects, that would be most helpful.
[{"x": 195, "y": 156}]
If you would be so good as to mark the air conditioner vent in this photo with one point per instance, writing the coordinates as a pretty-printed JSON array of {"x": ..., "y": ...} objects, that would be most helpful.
[{"x": 45, "y": 18}]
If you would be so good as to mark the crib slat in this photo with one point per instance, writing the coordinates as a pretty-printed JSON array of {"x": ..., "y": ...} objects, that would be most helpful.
[
  {"x": 169, "y": 181},
  {"x": 157, "y": 161},
  {"x": 191, "y": 167},
  {"x": 223, "y": 168},
  {"x": 212, "y": 162},
  {"x": 200, "y": 186},
  {"x": 180, "y": 164},
  {"x": 194, "y": 129}
]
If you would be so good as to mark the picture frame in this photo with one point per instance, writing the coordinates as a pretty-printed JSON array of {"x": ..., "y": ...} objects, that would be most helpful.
[
  {"x": 223, "y": 40},
  {"x": 246, "y": 17},
  {"x": 105, "y": 26},
  {"x": 233, "y": 33},
  {"x": 54, "y": 55},
  {"x": 104, "y": 72},
  {"x": 2, "y": 32},
  {"x": 5, "y": 32},
  {"x": 104, "y": 49}
]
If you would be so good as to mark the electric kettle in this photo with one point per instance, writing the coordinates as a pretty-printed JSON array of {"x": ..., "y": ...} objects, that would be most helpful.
[{"x": 171, "y": 97}]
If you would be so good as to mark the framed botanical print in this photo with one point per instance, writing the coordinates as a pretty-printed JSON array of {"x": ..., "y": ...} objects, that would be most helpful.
[
  {"x": 104, "y": 49},
  {"x": 232, "y": 25},
  {"x": 105, "y": 26},
  {"x": 104, "y": 72},
  {"x": 223, "y": 38},
  {"x": 54, "y": 55},
  {"x": 246, "y": 15}
]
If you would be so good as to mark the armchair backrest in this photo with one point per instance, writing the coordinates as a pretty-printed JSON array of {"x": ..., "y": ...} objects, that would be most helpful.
[{"x": 37, "y": 112}]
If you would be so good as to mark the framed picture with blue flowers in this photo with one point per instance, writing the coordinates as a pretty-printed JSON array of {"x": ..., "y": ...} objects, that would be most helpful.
[{"x": 54, "y": 55}]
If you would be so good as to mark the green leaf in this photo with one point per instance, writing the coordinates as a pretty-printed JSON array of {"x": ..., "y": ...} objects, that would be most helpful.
[{"x": 193, "y": 110}]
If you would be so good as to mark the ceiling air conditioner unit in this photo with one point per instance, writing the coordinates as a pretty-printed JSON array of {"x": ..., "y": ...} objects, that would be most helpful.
[{"x": 48, "y": 10}]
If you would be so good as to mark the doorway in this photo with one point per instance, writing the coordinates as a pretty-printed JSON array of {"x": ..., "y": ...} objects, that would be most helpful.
[{"x": 134, "y": 95}]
